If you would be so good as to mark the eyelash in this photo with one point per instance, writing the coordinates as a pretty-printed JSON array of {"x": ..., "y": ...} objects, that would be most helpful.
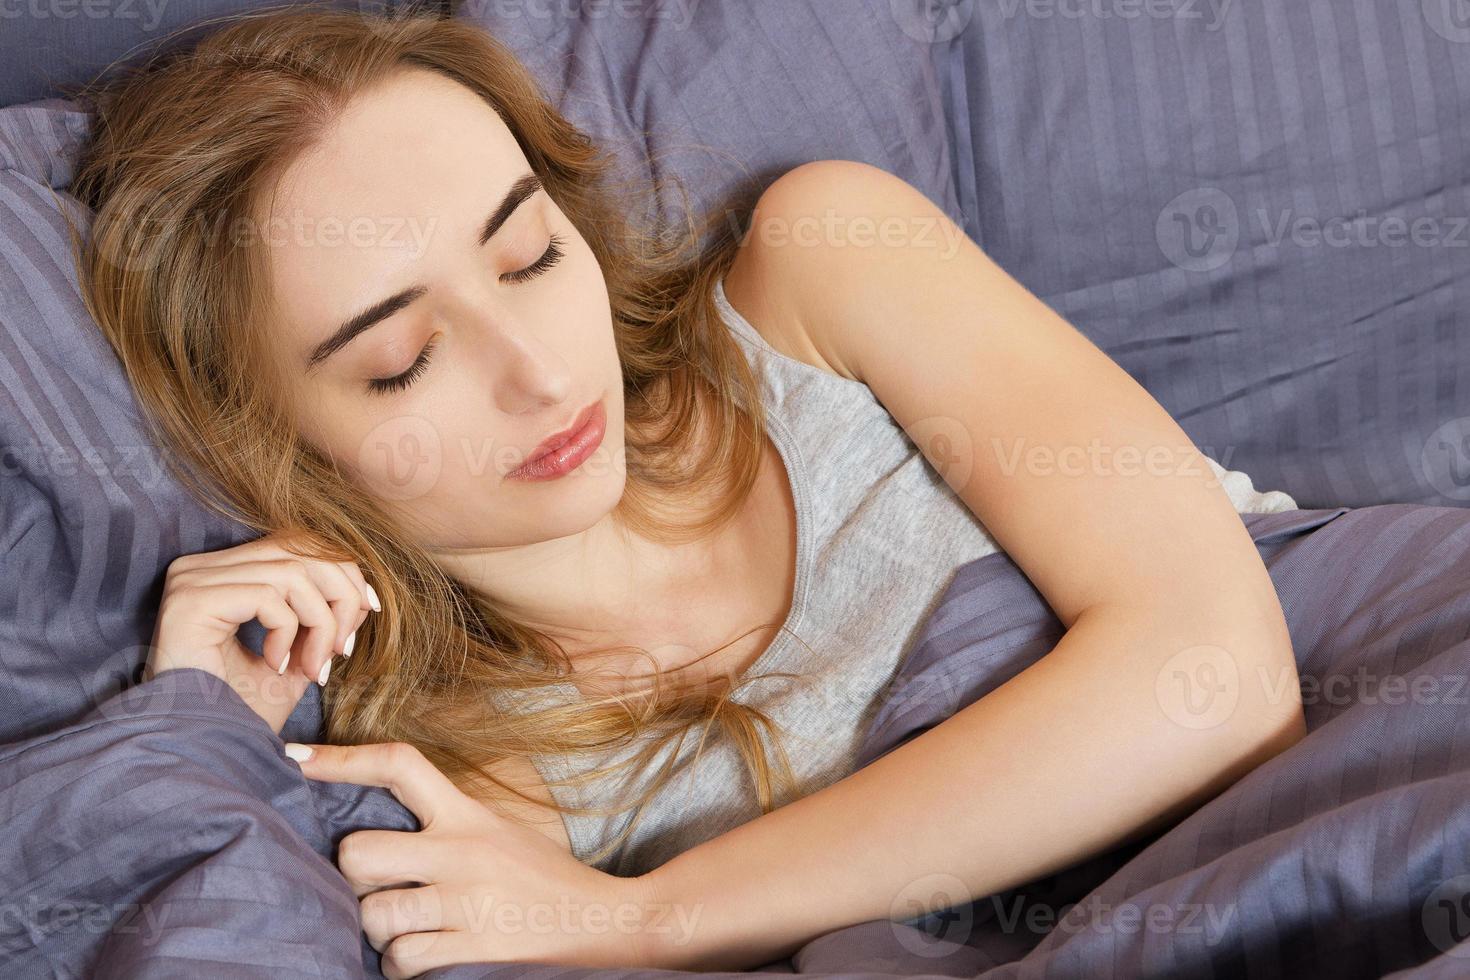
[
  {"x": 550, "y": 258},
  {"x": 398, "y": 382}
]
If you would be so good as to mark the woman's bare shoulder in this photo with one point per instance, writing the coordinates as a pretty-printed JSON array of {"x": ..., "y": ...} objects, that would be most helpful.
[
  {"x": 805, "y": 229},
  {"x": 757, "y": 288}
]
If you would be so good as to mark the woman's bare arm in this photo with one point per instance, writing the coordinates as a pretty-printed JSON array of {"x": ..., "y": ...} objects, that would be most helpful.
[
  {"x": 1176, "y": 674},
  {"x": 1069, "y": 758}
]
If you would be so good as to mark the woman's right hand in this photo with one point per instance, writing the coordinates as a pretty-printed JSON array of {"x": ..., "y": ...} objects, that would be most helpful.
[{"x": 310, "y": 608}]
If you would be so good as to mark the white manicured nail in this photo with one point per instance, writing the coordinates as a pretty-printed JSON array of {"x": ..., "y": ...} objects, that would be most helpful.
[
  {"x": 373, "y": 599},
  {"x": 326, "y": 669},
  {"x": 297, "y": 751},
  {"x": 347, "y": 647},
  {"x": 284, "y": 661}
]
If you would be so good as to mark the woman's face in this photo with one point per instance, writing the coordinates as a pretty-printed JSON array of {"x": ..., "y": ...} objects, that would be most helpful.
[{"x": 470, "y": 353}]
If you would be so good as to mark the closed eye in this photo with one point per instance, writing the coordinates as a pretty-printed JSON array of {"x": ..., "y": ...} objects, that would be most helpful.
[
  {"x": 549, "y": 258},
  {"x": 398, "y": 382},
  {"x": 553, "y": 254}
]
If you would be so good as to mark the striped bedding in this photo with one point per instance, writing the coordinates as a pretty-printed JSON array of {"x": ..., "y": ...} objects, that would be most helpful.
[{"x": 156, "y": 829}]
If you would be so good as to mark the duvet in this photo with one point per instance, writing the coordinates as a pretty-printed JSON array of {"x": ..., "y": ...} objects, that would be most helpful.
[{"x": 166, "y": 834}]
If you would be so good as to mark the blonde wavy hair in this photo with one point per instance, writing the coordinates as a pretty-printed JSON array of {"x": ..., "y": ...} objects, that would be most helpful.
[{"x": 191, "y": 140}]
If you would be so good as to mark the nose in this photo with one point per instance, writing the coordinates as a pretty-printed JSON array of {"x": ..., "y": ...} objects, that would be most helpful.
[{"x": 526, "y": 373}]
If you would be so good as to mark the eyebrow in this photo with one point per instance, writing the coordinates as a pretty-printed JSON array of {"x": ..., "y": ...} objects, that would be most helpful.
[{"x": 524, "y": 186}]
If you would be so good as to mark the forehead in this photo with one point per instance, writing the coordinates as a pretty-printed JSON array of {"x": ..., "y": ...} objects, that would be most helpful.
[{"x": 408, "y": 169}]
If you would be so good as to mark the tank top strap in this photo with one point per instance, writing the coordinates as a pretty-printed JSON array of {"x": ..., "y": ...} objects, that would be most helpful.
[{"x": 738, "y": 325}]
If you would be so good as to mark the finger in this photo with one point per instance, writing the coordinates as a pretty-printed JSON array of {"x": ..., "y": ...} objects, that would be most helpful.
[
  {"x": 331, "y": 596},
  {"x": 311, "y": 643},
  {"x": 397, "y": 766},
  {"x": 358, "y": 618},
  {"x": 280, "y": 637},
  {"x": 343, "y": 586},
  {"x": 372, "y": 860},
  {"x": 343, "y": 595},
  {"x": 369, "y": 595},
  {"x": 280, "y": 546},
  {"x": 416, "y": 953},
  {"x": 237, "y": 603},
  {"x": 390, "y": 913}
]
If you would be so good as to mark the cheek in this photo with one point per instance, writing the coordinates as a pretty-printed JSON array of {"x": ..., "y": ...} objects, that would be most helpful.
[
  {"x": 593, "y": 313},
  {"x": 317, "y": 427},
  {"x": 403, "y": 458}
]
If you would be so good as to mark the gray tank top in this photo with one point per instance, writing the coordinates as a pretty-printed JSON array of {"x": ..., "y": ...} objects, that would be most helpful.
[{"x": 879, "y": 536}]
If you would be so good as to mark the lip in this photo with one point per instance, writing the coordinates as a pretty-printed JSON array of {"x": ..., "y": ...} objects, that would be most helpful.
[{"x": 564, "y": 451}]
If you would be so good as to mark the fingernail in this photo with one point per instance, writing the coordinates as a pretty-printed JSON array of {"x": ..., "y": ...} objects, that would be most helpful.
[
  {"x": 297, "y": 751},
  {"x": 326, "y": 669},
  {"x": 284, "y": 661},
  {"x": 347, "y": 647},
  {"x": 373, "y": 599}
]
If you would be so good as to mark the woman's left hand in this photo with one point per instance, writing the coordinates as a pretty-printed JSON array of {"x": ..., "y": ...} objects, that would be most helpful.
[{"x": 473, "y": 885}]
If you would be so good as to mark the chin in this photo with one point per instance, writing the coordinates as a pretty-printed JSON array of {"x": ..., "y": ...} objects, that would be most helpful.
[{"x": 574, "y": 502}]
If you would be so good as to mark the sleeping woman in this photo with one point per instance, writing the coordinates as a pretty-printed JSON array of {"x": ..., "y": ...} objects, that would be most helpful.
[{"x": 603, "y": 537}]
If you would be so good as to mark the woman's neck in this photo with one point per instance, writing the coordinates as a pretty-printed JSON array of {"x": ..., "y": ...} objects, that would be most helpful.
[{"x": 607, "y": 587}]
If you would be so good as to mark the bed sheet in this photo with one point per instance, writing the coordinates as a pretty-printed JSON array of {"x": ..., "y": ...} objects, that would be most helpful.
[{"x": 166, "y": 833}]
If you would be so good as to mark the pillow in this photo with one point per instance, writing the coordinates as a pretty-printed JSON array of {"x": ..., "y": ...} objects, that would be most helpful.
[
  {"x": 730, "y": 96},
  {"x": 51, "y": 46},
  {"x": 89, "y": 517},
  {"x": 89, "y": 520},
  {"x": 1260, "y": 210}
]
